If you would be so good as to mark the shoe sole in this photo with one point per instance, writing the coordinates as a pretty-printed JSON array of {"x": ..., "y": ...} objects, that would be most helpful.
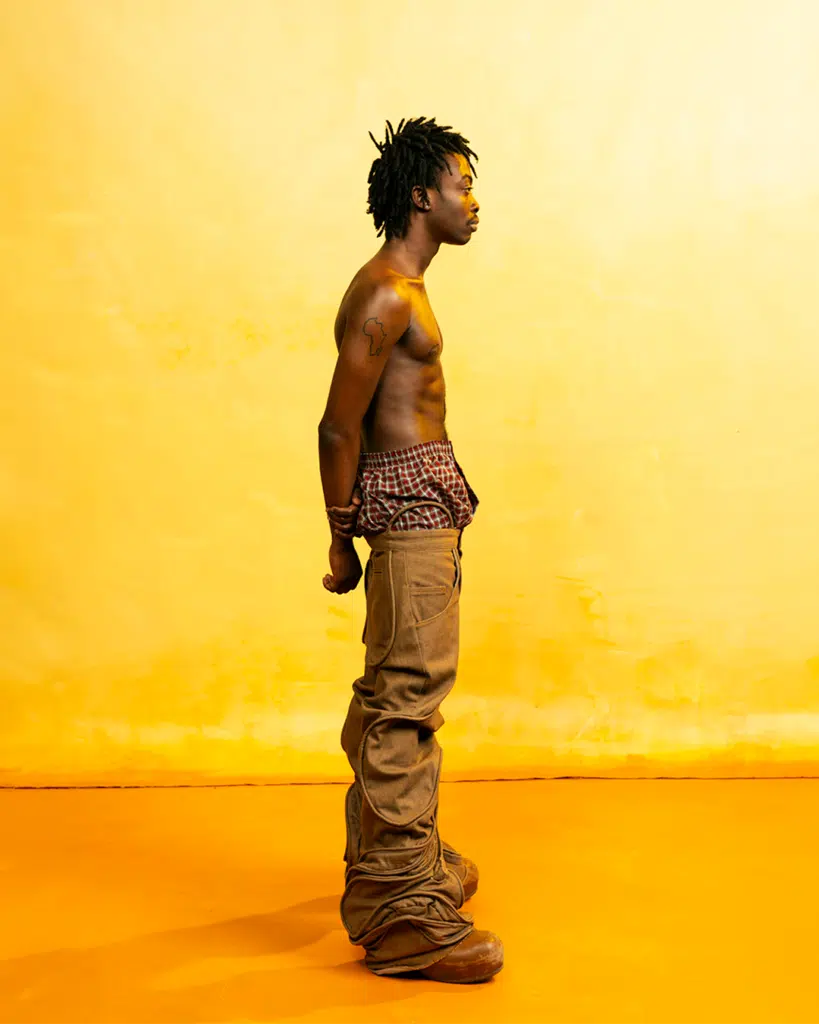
[
  {"x": 475, "y": 981},
  {"x": 455, "y": 980}
]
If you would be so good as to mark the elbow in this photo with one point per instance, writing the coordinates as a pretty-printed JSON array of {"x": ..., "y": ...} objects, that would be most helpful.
[{"x": 331, "y": 435}]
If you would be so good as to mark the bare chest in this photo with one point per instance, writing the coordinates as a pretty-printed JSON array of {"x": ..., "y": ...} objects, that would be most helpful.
[{"x": 423, "y": 340}]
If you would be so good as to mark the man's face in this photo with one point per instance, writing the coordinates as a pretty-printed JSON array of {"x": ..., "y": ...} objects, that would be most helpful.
[{"x": 453, "y": 214}]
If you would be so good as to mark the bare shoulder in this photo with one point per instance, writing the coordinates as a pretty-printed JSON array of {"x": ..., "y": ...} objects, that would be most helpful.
[
  {"x": 376, "y": 286},
  {"x": 375, "y": 293}
]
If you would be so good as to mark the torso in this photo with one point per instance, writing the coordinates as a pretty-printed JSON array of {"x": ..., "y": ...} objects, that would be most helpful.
[{"x": 409, "y": 405}]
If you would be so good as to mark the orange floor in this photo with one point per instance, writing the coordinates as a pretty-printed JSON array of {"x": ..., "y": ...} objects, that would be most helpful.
[{"x": 617, "y": 901}]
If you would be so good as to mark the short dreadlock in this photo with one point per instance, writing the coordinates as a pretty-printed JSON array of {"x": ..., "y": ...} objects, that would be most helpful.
[{"x": 413, "y": 155}]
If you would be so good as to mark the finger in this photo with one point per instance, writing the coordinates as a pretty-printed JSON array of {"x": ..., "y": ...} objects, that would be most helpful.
[
  {"x": 345, "y": 510},
  {"x": 344, "y": 529},
  {"x": 341, "y": 520},
  {"x": 348, "y": 522},
  {"x": 341, "y": 524}
]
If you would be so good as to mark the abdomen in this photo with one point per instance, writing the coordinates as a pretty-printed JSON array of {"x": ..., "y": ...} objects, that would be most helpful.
[{"x": 408, "y": 408}]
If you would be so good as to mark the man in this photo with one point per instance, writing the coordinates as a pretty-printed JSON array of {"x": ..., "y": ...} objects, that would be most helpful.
[{"x": 389, "y": 475}]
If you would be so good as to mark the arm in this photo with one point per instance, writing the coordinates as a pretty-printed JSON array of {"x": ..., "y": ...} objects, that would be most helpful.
[{"x": 374, "y": 324}]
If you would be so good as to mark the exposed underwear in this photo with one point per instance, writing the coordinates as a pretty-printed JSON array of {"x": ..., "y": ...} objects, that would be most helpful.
[{"x": 428, "y": 472}]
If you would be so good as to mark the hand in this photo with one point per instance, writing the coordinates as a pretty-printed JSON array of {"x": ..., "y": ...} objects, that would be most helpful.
[
  {"x": 345, "y": 568},
  {"x": 343, "y": 520}
]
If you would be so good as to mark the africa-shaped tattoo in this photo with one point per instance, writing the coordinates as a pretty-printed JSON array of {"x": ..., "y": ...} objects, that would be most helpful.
[{"x": 374, "y": 330}]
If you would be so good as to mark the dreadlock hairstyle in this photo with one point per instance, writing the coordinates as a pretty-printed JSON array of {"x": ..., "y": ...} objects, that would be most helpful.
[{"x": 413, "y": 155}]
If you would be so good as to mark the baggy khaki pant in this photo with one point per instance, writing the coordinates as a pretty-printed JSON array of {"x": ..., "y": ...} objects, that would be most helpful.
[{"x": 400, "y": 902}]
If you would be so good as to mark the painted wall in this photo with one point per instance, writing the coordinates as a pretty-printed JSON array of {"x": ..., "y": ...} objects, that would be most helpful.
[{"x": 631, "y": 357}]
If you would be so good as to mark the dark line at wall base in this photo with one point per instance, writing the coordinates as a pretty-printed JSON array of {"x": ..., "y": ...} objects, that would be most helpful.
[{"x": 451, "y": 782}]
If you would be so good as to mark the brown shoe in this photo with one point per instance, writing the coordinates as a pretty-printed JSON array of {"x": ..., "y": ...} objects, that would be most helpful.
[
  {"x": 464, "y": 868},
  {"x": 478, "y": 958}
]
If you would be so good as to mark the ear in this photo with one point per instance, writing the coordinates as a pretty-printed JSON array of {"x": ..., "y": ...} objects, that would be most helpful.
[{"x": 420, "y": 199}]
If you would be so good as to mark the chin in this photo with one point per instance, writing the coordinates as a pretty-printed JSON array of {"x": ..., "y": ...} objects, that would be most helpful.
[{"x": 460, "y": 239}]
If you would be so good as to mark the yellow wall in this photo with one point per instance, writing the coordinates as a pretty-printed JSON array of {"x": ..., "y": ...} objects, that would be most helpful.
[{"x": 632, "y": 362}]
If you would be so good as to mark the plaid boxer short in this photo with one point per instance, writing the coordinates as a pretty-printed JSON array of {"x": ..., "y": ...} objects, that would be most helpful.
[{"x": 390, "y": 480}]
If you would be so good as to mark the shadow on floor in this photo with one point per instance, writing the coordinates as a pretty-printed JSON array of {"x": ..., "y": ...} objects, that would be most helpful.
[{"x": 168, "y": 977}]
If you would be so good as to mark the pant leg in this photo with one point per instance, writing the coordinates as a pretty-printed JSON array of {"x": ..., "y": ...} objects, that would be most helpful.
[{"x": 400, "y": 902}]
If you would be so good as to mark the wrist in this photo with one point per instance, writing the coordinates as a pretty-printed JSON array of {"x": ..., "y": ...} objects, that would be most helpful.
[{"x": 339, "y": 543}]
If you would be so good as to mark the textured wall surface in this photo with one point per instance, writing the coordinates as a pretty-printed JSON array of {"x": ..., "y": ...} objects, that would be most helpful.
[{"x": 631, "y": 360}]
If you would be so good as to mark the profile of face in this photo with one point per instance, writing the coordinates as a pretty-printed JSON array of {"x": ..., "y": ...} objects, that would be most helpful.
[{"x": 451, "y": 209}]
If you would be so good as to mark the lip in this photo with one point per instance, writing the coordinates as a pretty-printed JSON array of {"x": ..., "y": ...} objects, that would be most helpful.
[{"x": 474, "y": 223}]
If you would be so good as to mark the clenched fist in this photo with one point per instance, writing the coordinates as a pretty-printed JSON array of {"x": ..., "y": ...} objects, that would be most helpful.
[{"x": 345, "y": 567}]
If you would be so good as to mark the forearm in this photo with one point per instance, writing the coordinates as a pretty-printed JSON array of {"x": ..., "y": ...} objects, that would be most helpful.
[{"x": 338, "y": 463}]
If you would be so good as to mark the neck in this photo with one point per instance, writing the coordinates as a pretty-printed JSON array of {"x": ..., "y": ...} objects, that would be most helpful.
[{"x": 412, "y": 254}]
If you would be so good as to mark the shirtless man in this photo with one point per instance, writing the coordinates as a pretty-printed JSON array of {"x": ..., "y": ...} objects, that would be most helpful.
[{"x": 389, "y": 475}]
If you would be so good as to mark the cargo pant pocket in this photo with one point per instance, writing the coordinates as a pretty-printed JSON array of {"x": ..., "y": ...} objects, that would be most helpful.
[
  {"x": 435, "y": 586},
  {"x": 436, "y": 608}
]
